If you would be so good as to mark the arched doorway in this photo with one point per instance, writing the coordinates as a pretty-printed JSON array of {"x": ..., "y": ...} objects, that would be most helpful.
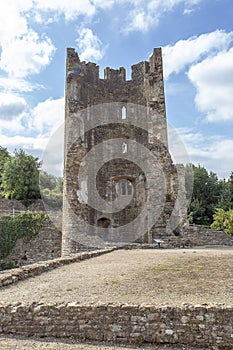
[{"x": 104, "y": 222}]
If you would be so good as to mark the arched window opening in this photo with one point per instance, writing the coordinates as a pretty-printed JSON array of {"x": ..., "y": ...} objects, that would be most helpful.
[
  {"x": 123, "y": 112},
  {"x": 124, "y": 147},
  {"x": 126, "y": 188},
  {"x": 104, "y": 223}
]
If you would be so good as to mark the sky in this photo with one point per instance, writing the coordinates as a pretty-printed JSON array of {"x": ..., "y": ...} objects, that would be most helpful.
[{"x": 196, "y": 37}]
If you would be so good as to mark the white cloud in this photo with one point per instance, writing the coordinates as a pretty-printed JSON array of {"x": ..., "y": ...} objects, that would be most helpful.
[
  {"x": 24, "y": 142},
  {"x": 11, "y": 106},
  {"x": 211, "y": 152},
  {"x": 12, "y": 23},
  {"x": 50, "y": 152},
  {"x": 213, "y": 79},
  {"x": 48, "y": 115},
  {"x": 209, "y": 63},
  {"x": 215, "y": 157},
  {"x": 53, "y": 153},
  {"x": 185, "y": 52},
  {"x": 26, "y": 55},
  {"x": 39, "y": 132},
  {"x": 34, "y": 52},
  {"x": 46, "y": 122},
  {"x": 142, "y": 14},
  {"x": 177, "y": 144},
  {"x": 15, "y": 85},
  {"x": 42, "y": 121},
  {"x": 71, "y": 9},
  {"x": 23, "y": 52},
  {"x": 105, "y": 3},
  {"x": 13, "y": 114},
  {"x": 141, "y": 20},
  {"x": 89, "y": 45},
  {"x": 12, "y": 127},
  {"x": 147, "y": 13}
]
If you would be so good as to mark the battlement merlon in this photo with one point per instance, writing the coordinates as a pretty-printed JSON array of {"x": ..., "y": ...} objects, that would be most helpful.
[
  {"x": 71, "y": 57},
  {"x": 156, "y": 60},
  {"x": 115, "y": 74}
]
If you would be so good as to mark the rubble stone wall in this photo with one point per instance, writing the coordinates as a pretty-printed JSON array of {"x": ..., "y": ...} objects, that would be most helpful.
[
  {"x": 200, "y": 326},
  {"x": 201, "y": 235},
  {"x": 45, "y": 245},
  {"x": 9, "y": 206}
]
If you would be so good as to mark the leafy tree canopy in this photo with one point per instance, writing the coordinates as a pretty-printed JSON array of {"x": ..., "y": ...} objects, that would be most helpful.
[
  {"x": 4, "y": 156},
  {"x": 20, "y": 177},
  {"x": 208, "y": 193}
]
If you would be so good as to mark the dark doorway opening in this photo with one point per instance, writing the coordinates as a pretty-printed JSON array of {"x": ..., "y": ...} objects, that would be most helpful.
[{"x": 104, "y": 222}]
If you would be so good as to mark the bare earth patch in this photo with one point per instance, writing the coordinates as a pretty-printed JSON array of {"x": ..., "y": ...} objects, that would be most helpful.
[
  {"x": 158, "y": 277},
  {"x": 8, "y": 343}
]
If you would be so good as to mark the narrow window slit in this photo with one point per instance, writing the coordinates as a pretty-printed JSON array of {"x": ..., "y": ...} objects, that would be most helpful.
[
  {"x": 123, "y": 112},
  {"x": 124, "y": 147}
]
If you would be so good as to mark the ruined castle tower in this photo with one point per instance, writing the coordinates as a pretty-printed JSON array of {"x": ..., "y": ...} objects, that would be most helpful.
[{"x": 120, "y": 184}]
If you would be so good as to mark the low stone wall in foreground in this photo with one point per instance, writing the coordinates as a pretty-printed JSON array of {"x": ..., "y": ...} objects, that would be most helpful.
[{"x": 201, "y": 326}]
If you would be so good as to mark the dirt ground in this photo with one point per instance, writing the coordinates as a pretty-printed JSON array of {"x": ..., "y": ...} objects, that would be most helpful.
[
  {"x": 158, "y": 277},
  {"x": 52, "y": 344}
]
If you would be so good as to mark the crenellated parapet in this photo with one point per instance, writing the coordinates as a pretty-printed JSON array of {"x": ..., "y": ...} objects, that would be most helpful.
[
  {"x": 151, "y": 70},
  {"x": 146, "y": 87}
]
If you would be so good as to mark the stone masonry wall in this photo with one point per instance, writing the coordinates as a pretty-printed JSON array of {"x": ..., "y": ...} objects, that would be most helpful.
[
  {"x": 195, "y": 236},
  {"x": 131, "y": 113},
  {"x": 44, "y": 246},
  {"x": 202, "y": 235},
  {"x": 210, "y": 327},
  {"x": 7, "y": 206}
]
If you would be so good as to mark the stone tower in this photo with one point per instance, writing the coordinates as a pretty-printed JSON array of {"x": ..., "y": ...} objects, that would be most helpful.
[{"x": 120, "y": 184}]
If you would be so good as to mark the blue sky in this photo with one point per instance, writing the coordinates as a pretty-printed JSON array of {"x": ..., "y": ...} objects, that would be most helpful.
[{"x": 197, "y": 41}]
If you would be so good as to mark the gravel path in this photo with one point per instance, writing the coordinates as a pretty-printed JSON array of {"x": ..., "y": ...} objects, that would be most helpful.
[{"x": 156, "y": 277}]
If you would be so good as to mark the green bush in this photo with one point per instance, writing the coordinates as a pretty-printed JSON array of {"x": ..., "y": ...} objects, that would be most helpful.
[
  {"x": 8, "y": 265},
  {"x": 223, "y": 221},
  {"x": 25, "y": 225}
]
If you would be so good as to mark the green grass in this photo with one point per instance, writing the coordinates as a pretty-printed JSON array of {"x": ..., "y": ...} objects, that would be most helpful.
[{"x": 115, "y": 281}]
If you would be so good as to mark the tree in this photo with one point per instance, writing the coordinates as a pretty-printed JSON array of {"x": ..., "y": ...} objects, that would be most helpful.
[
  {"x": 4, "y": 157},
  {"x": 189, "y": 180},
  {"x": 225, "y": 200},
  {"x": 230, "y": 181},
  {"x": 223, "y": 220},
  {"x": 20, "y": 178},
  {"x": 51, "y": 189},
  {"x": 47, "y": 180},
  {"x": 205, "y": 196}
]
